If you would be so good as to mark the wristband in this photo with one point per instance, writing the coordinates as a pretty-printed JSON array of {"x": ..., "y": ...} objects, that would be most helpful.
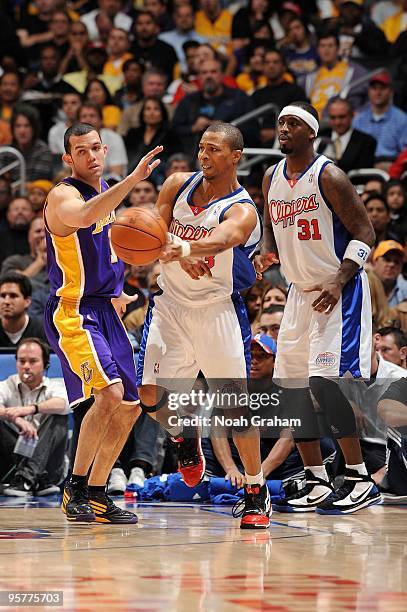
[
  {"x": 36, "y": 409},
  {"x": 357, "y": 251},
  {"x": 185, "y": 246}
]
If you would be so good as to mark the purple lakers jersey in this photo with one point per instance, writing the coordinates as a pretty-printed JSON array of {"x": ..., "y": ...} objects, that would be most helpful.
[{"x": 84, "y": 264}]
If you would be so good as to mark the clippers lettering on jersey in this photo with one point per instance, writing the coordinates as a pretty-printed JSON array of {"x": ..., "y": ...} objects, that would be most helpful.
[
  {"x": 188, "y": 232},
  {"x": 99, "y": 225},
  {"x": 285, "y": 212}
]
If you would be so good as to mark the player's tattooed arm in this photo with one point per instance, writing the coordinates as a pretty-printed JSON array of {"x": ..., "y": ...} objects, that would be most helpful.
[
  {"x": 341, "y": 195},
  {"x": 269, "y": 251}
]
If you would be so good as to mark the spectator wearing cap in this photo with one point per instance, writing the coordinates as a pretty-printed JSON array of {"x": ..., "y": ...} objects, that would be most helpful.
[
  {"x": 95, "y": 59},
  {"x": 282, "y": 18},
  {"x": 387, "y": 264},
  {"x": 350, "y": 148},
  {"x": 37, "y": 194},
  {"x": 380, "y": 115},
  {"x": 359, "y": 36},
  {"x": 113, "y": 10},
  {"x": 379, "y": 214},
  {"x": 147, "y": 46}
]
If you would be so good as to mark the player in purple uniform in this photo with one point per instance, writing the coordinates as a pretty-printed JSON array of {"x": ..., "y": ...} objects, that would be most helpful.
[{"x": 82, "y": 319}]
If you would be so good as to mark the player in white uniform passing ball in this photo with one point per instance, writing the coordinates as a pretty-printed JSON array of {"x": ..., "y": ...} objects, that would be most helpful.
[
  {"x": 198, "y": 321},
  {"x": 316, "y": 224}
]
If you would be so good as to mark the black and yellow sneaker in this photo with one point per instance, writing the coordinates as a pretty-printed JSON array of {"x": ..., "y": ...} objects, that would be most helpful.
[
  {"x": 75, "y": 503},
  {"x": 107, "y": 512}
]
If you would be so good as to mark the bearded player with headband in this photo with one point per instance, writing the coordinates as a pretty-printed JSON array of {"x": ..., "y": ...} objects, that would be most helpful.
[{"x": 317, "y": 226}]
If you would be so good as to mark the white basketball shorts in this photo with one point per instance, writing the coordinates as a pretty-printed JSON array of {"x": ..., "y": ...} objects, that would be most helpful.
[
  {"x": 315, "y": 344},
  {"x": 178, "y": 341}
]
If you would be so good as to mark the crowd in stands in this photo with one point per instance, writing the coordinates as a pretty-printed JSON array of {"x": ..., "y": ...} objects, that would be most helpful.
[{"x": 149, "y": 72}]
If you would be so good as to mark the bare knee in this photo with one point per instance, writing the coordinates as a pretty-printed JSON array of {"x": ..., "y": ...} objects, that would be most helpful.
[
  {"x": 150, "y": 395},
  {"x": 108, "y": 400}
]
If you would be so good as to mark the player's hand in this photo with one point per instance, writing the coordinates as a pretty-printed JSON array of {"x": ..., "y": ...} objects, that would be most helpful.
[
  {"x": 26, "y": 428},
  {"x": 195, "y": 268},
  {"x": 120, "y": 303},
  {"x": 262, "y": 262},
  {"x": 146, "y": 165},
  {"x": 172, "y": 250},
  {"x": 330, "y": 292},
  {"x": 236, "y": 478}
]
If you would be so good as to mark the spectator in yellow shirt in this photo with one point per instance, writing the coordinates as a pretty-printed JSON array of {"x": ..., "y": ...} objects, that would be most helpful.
[
  {"x": 215, "y": 24},
  {"x": 118, "y": 45}
]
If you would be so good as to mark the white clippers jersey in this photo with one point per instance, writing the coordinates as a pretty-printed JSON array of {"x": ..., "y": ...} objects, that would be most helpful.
[
  {"x": 310, "y": 237},
  {"x": 231, "y": 270}
]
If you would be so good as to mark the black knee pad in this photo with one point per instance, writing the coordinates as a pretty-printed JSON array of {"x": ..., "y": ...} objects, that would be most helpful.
[
  {"x": 157, "y": 406},
  {"x": 297, "y": 406},
  {"x": 337, "y": 409}
]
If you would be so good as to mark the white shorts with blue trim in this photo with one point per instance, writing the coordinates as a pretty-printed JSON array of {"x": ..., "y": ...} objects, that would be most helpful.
[
  {"x": 178, "y": 341},
  {"x": 314, "y": 344}
]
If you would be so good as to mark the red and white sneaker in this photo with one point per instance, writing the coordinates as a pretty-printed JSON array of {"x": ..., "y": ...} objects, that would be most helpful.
[
  {"x": 191, "y": 460},
  {"x": 254, "y": 508}
]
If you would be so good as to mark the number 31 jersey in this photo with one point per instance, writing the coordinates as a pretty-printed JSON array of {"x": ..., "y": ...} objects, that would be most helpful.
[{"x": 310, "y": 237}]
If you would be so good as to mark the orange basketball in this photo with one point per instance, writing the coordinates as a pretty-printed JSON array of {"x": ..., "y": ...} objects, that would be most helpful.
[{"x": 138, "y": 235}]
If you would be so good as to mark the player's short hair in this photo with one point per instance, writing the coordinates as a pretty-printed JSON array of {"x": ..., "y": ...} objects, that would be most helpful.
[
  {"x": 19, "y": 279},
  {"x": 400, "y": 338},
  {"x": 308, "y": 107},
  {"x": 233, "y": 134},
  {"x": 77, "y": 129}
]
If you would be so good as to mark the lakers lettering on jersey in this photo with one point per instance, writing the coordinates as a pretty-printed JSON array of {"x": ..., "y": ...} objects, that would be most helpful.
[
  {"x": 231, "y": 270},
  {"x": 84, "y": 264},
  {"x": 310, "y": 237}
]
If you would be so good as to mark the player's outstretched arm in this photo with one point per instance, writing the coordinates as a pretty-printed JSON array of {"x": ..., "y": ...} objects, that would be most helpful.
[
  {"x": 269, "y": 251},
  {"x": 341, "y": 195},
  {"x": 240, "y": 221},
  {"x": 168, "y": 193},
  {"x": 66, "y": 207}
]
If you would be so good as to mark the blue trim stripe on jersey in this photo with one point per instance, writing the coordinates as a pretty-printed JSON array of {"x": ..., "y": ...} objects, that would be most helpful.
[
  {"x": 185, "y": 185},
  {"x": 229, "y": 195},
  {"x": 352, "y": 300},
  {"x": 245, "y": 329},
  {"x": 143, "y": 343},
  {"x": 272, "y": 175},
  {"x": 341, "y": 235},
  {"x": 302, "y": 174}
]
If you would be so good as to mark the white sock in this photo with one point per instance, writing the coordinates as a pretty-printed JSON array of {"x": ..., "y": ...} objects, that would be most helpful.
[
  {"x": 318, "y": 470},
  {"x": 360, "y": 468},
  {"x": 256, "y": 479}
]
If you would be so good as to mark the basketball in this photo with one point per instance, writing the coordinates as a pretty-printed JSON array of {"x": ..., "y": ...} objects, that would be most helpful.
[{"x": 138, "y": 235}]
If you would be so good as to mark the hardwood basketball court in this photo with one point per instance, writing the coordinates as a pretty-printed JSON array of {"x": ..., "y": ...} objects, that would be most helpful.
[{"x": 193, "y": 557}]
